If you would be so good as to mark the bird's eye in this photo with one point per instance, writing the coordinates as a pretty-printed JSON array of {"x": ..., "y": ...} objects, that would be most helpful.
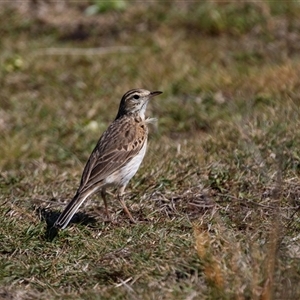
[{"x": 136, "y": 97}]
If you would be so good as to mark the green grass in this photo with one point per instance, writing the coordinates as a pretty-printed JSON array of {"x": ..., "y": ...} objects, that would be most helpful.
[{"x": 217, "y": 196}]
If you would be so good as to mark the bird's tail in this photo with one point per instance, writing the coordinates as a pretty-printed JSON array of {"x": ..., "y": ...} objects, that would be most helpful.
[{"x": 70, "y": 210}]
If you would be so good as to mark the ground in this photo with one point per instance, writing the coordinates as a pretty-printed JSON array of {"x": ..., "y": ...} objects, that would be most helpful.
[{"x": 217, "y": 196}]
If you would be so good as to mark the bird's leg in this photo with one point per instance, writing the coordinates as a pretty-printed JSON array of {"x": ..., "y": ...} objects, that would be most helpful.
[
  {"x": 103, "y": 195},
  {"x": 120, "y": 198}
]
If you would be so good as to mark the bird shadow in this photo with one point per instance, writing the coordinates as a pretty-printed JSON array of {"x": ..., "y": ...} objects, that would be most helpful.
[{"x": 50, "y": 216}]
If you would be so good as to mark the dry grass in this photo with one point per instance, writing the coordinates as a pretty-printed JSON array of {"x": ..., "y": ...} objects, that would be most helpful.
[{"x": 217, "y": 197}]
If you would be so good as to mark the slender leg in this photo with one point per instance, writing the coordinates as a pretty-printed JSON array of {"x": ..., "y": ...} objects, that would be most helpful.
[
  {"x": 120, "y": 198},
  {"x": 103, "y": 195}
]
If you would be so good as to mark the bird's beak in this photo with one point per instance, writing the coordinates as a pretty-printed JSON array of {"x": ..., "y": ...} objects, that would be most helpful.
[{"x": 153, "y": 94}]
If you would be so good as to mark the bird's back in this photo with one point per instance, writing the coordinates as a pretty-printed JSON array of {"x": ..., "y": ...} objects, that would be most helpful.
[{"x": 120, "y": 150}]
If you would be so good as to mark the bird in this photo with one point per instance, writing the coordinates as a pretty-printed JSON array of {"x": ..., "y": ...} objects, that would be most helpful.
[{"x": 117, "y": 155}]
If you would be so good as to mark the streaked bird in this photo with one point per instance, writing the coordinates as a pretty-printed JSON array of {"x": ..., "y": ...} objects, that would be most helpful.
[{"x": 117, "y": 155}]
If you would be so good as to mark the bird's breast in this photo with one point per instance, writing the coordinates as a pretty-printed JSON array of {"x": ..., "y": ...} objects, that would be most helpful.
[{"x": 129, "y": 170}]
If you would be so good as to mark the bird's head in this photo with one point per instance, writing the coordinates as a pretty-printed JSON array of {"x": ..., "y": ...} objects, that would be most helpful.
[{"x": 135, "y": 102}]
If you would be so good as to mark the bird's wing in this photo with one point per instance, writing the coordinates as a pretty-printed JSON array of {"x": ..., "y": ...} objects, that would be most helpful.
[{"x": 123, "y": 139}]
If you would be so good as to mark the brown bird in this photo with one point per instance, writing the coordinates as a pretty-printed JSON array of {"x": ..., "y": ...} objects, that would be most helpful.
[{"x": 117, "y": 155}]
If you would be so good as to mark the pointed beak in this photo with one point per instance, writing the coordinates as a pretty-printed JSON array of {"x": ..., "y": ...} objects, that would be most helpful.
[{"x": 156, "y": 93}]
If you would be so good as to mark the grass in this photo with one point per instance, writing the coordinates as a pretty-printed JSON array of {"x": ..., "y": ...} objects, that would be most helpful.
[{"x": 217, "y": 196}]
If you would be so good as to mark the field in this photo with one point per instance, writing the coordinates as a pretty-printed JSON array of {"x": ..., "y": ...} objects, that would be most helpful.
[{"x": 217, "y": 198}]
